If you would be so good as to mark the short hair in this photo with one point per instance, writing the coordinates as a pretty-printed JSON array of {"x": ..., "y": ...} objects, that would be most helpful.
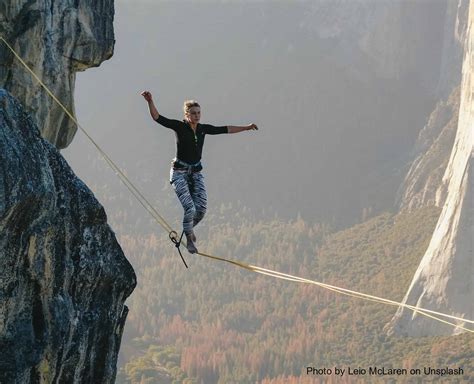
[{"x": 188, "y": 104}]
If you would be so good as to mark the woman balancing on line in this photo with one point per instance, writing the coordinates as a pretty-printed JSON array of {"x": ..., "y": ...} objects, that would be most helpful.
[{"x": 185, "y": 175}]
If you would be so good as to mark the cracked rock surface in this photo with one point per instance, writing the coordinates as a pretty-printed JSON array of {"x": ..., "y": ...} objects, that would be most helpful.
[
  {"x": 63, "y": 276},
  {"x": 56, "y": 39}
]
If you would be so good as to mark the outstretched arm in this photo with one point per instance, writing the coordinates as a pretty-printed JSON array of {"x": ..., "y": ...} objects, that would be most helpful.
[
  {"x": 237, "y": 129},
  {"x": 151, "y": 105}
]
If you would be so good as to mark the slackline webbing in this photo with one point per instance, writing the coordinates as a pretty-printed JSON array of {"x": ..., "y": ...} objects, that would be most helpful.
[{"x": 279, "y": 275}]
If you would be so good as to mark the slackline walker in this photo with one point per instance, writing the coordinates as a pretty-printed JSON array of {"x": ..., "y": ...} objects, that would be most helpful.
[
  {"x": 185, "y": 174},
  {"x": 438, "y": 316}
]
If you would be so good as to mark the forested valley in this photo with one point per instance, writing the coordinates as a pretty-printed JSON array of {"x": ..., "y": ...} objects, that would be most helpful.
[{"x": 217, "y": 323}]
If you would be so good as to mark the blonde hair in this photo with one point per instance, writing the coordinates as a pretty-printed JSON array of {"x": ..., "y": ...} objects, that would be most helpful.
[{"x": 188, "y": 104}]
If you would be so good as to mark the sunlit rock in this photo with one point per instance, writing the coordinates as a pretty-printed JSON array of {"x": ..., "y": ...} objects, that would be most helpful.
[
  {"x": 445, "y": 276},
  {"x": 56, "y": 39},
  {"x": 63, "y": 276}
]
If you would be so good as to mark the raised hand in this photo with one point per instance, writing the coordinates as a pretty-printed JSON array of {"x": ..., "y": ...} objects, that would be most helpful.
[{"x": 147, "y": 95}]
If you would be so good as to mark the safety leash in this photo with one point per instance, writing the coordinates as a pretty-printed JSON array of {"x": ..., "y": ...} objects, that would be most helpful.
[{"x": 173, "y": 235}]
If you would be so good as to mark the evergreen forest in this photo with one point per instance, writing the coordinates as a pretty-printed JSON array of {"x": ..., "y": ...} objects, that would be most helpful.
[{"x": 217, "y": 323}]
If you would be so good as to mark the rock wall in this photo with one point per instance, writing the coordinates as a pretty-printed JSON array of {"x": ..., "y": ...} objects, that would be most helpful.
[
  {"x": 423, "y": 185},
  {"x": 455, "y": 28},
  {"x": 395, "y": 39},
  {"x": 63, "y": 276},
  {"x": 56, "y": 39},
  {"x": 444, "y": 278}
]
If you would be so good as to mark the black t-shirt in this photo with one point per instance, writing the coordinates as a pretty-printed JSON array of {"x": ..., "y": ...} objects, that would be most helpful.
[{"x": 189, "y": 145}]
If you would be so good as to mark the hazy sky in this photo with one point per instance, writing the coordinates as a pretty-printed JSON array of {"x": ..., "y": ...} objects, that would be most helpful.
[{"x": 332, "y": 129}]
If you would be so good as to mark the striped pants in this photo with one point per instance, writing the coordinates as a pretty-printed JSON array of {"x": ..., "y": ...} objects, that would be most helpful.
[{"x": 191, "y": 192}]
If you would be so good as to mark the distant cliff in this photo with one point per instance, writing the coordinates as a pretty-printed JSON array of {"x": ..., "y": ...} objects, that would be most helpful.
[
  {"x": 63, "y": 276},
  {"x": 445, "y": 276},
  {"x": 57, "y": 39},
  {"x": 391, "y": 38},
  {"x": 423, "y": 184}
]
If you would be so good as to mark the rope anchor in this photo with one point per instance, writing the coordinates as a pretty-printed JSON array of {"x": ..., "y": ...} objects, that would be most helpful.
[{"x": 173, "y": 235}]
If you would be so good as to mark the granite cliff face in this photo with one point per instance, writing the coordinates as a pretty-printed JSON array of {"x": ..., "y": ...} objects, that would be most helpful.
[
  {"x": 444, "y": 278},
  {"x": 56, "y": 39},
  {"x": 423, "y": 184},
  {"x": 454, "y": 35},
  {"x": 391, "y": 38},
  {"x": 63, "y": 276}
]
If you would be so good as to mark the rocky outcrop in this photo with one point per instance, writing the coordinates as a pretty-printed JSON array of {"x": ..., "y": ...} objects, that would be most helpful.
[
  {"x": 444, "y": 278},
  {"x": 56, "y": 39},
  {"x": 63, "y": 276},
  {"x": 423, "y": 185}
]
